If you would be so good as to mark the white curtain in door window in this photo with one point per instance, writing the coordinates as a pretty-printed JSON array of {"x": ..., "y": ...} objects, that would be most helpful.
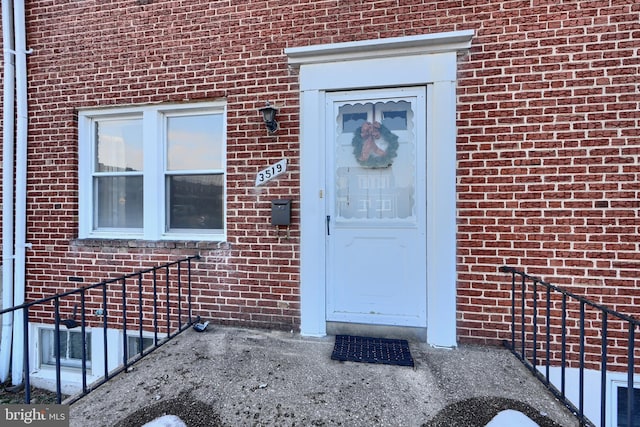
[{"x": 375, "y": 161}]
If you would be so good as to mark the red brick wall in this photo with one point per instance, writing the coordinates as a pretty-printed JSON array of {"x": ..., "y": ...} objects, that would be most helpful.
[
  {"x": 548, "y": 145},
  {"x": 548, "y": 139}
]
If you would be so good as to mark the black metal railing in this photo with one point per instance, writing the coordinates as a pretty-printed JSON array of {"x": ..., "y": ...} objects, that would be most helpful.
[
  {"x": 156, "y": 301},
  {"x": 552, "y": 327}
]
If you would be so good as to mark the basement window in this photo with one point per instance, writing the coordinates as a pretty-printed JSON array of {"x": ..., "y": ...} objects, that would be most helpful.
[
  {"x": 621, "y": 396},
  {"x": 70, "y": 348},
  {"x": 135, "y": 344}
]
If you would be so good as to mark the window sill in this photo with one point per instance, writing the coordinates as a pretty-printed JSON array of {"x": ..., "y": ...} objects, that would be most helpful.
[
  {"x": 154, "y": 244},
  {"x": 45, "y": 377}
]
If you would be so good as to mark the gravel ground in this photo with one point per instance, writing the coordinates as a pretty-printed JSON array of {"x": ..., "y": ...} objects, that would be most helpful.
[{"x": 242, "y": 377}]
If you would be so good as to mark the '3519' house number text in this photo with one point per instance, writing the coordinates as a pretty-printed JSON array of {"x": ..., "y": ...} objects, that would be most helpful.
[{"x": 271, "y": 172}]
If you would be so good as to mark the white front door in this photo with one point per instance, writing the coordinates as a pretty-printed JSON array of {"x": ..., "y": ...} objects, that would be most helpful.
[{"x": 376, "y": 207}]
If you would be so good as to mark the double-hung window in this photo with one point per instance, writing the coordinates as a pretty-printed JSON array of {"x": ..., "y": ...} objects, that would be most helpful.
[{"x": 153, "y": 172}]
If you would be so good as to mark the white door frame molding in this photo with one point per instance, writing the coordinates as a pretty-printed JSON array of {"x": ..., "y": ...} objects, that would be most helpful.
[{"x": 430, "y": 61}]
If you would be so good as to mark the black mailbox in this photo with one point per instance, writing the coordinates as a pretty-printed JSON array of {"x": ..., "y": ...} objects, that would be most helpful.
[{"x": 281, "y": 212}]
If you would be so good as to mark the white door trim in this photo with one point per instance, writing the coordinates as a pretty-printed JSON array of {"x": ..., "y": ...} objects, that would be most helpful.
[
  {"x": 381, "y": 48},
  {"x": 391, "y": 67}
]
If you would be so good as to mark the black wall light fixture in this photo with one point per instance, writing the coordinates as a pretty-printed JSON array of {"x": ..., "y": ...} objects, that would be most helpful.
[{"x": 269, "y": 116}]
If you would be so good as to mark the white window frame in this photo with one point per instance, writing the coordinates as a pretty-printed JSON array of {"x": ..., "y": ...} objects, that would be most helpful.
[
  {"x": 44, "y": 375},
  {"x": 619, "y": 380},
  {"x": 154, "y": 186}
]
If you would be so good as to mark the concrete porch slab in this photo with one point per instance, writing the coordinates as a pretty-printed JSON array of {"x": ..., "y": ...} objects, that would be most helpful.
[{"x": 232, "y": 376}]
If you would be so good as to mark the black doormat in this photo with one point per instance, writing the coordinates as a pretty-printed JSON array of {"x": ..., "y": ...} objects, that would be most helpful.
[{"x": 372, "y": 350}]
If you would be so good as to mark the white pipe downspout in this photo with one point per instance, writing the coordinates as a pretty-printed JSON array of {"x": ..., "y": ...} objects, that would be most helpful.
[
  {"x": 17, "y": 361},
  {"x": 8, "y": 113}
]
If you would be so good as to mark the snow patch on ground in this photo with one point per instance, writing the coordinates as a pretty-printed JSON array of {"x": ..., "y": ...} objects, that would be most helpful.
[
  {"x": 166, "y": 421},
  {"x": 510, "y": 418}
]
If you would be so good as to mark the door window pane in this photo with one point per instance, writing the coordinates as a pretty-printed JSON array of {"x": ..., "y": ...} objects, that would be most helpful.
[
  {"x": 375, "y": 162},
  {"x": 352, "y": 121},
  {"x": 196, "y": 202},
  {"x": 395, "y": 120}
]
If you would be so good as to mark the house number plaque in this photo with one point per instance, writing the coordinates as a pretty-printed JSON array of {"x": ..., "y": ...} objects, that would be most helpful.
[{"x": 271, "y": 172}]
